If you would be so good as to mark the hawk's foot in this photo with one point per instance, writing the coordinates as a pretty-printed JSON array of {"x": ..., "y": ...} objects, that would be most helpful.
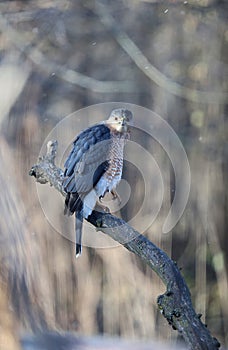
[
  {"x": 102, "y": 207},
  {"x": 100, "y": 225},
  {"x": 105, "y": 208}
]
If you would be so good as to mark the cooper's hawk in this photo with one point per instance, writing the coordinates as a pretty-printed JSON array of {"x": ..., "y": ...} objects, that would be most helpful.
[{"x": 94, "y": 166}]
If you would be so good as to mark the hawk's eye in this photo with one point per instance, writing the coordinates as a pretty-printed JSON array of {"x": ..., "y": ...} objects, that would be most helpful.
[{"x": 116, "y": 118}]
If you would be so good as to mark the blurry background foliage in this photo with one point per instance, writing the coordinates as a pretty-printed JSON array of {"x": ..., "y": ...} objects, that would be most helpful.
[{"x": 60, "y": 56}]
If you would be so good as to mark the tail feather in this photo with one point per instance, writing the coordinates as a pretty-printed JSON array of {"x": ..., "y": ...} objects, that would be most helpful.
[
  {"x": 78, "y": 250},
  {"x": 78, "y": 232}
]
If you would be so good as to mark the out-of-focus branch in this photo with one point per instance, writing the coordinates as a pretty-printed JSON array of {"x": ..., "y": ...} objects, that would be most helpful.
[
  {"x": 31, "y": 51},
  {"x": 175, "y": 304},
  {"x": 73, "y": 77},
  {"x": 147, "y": 68},
  {"x": 12, "y": 82}
]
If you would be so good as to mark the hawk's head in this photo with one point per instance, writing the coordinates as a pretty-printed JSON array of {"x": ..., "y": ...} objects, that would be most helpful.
[{"x": 120, "y": 118}]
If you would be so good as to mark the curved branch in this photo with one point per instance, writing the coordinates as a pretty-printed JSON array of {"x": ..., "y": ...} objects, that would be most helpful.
[
  {"x": 148, "y": 69},
  {"x": 30, "y": 49},
  {"x": 175, "y": 304}
]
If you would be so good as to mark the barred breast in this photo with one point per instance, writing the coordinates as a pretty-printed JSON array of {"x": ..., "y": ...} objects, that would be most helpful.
[{"x": 113, "y": 174}]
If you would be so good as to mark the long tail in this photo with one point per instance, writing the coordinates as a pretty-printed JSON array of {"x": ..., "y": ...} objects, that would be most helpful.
[{"x": 78, "y": 231}]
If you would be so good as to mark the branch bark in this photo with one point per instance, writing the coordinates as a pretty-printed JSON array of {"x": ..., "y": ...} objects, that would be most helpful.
[{"x": 175, "y": 304}]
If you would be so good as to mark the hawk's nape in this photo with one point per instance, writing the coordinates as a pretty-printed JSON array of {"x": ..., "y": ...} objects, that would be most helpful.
[{"x": 94, "y": 166}]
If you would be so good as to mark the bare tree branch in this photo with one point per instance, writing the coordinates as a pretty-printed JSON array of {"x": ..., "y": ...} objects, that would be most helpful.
[
  {"x": 148, "y": 69},
  {"x": 175, "y": 304},
  {"x": 30, "y": 49}
]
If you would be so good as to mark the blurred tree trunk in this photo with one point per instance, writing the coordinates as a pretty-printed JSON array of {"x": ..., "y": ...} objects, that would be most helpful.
[
  {"x": 8, "y": 325},
  {"x": 22, "y": 297}
]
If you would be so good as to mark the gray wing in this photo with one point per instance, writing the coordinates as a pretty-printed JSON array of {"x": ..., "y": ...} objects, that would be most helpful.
[{"x": 86, "y": 164}]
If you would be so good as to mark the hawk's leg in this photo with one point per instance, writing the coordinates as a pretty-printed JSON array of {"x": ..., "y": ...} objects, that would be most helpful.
[
  {"x": 101, "y": 202},
  {"x": 115, "y": 196}
]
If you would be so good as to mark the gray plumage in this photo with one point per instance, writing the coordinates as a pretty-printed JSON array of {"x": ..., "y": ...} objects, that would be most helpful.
[{"x": 94, "y": 166}]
